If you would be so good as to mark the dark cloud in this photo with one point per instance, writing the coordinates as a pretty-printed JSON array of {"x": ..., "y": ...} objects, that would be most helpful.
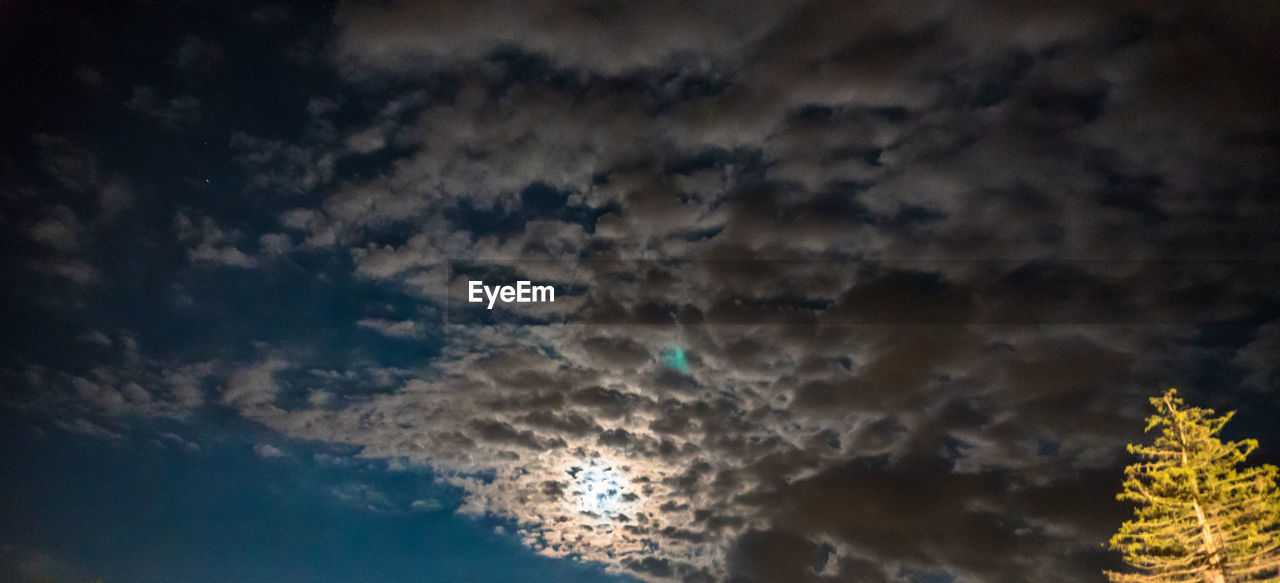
[{"x": 623, "y": 36}]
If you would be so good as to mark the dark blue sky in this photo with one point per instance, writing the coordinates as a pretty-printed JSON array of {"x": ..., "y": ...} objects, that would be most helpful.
[{"x": 154, "y": 511}]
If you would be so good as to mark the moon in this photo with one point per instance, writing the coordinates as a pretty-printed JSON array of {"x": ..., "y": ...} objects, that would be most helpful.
[{"x": 600, "y": 489}]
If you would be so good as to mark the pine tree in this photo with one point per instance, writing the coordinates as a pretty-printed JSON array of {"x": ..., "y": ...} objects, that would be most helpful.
[{"x": 1200, "y": 517}]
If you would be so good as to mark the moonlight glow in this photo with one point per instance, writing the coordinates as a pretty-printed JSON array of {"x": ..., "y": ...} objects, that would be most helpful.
[{"x": 600, "y": 490}]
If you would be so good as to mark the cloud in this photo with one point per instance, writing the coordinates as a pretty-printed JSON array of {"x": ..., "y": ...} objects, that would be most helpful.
[
  {"x": 426, "y": 505},
  {"x": 78, "y": 170},
  {"x": 283, "y": 169},
  {"x": 1256, "y": 358},
  {"x": 393, "y": 329},
  {"x": 63, "y": 239},
  {"x": 179, "y": 441},
  {"x": 921, "y": 270},
  {"x": 212, "y": 243},
  {"x": 91, "y": 429},
  {"x": 118, "y": 381},
  {"x": 175, "y": 113},
  {"x": 362, "y": 496},
  {"x": 255, "y": 385},
  {"x": 725, "y": 461},
  {"x": 95, "y": 337},
  {"x": 73, "y": 270},
  {"x": 267, "y": 450},
  {"x": 74, "y": 167},
  {"x": 229, "y": 256},
  {"x": 59, "y": 231},
  {"x": 919, "y": 185},
  {"x": 275, "y": 244},
  {"x": 609, "y": 39}
]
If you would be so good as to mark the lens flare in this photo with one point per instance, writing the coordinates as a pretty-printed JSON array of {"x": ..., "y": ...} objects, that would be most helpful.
[{"x": 674, "y": 358}]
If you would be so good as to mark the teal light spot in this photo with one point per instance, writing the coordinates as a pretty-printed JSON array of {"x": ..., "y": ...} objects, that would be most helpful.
[{"x": 674, "y": 358}]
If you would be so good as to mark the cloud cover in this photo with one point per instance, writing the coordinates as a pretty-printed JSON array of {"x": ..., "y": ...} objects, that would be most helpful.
[{"x": 923, "y": 266}]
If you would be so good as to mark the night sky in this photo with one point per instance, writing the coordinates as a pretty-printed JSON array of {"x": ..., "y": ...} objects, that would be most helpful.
[{"x": 845, "y": 291}]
